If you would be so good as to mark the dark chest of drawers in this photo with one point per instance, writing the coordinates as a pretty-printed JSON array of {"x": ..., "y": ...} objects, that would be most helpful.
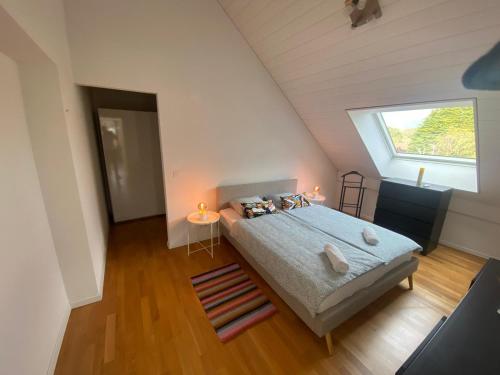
[
  {"x": 415, "y": 212},
  {"x": 468, "y": 341}
]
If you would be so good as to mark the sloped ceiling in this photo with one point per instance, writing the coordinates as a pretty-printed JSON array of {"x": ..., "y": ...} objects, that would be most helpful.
[{"x": 416, "y": 52}]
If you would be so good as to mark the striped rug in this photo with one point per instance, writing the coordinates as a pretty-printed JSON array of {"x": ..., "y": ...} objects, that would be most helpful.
[{"x": 231, "y": 300}]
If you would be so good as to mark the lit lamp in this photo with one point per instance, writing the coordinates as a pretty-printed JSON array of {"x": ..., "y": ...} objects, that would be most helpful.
[
  {"x": 316, "y": 191},
  {"x": 202, "y": 210}
]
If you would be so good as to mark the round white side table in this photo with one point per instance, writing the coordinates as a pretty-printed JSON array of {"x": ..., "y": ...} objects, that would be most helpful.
[
  {"x": 211, "y": 219},
  {"x": 316, "y": 199}
]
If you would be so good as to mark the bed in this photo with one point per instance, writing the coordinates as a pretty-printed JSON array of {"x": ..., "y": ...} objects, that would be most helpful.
[{"x": 327, "y": 299}]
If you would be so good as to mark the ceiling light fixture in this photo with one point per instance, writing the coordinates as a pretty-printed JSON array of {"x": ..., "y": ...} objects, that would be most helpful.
[{"x": 362, "y": 11}]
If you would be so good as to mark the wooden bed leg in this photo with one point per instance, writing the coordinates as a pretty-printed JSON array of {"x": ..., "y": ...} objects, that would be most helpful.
[
  {"x": 329, "y": 343},
  {"x": 410, "y": 281}
]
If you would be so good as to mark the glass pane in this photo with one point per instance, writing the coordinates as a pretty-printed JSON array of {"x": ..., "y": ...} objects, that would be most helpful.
[{"x": 445, "y": 132}]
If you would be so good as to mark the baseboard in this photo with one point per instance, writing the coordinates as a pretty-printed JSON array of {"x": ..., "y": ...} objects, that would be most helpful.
[
  {"x": 57, "y": 347},
  {"x": 464, "y": 249},
  {"x": 86, "y": 301}
]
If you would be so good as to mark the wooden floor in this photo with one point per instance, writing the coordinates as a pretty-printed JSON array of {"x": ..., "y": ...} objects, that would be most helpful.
[{"x": 150, "y": 321}]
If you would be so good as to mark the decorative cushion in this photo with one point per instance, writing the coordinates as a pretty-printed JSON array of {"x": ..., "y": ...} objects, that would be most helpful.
[
  {"x": 256, "y": 209},
  {"x": 294, "y": 201},
  {"x": 276, "y": 198},
  {"x": 236, "y": 204}
]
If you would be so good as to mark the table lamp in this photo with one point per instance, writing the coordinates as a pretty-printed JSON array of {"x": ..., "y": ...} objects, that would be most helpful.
[
  {"x": 316, "y": 191},
  {"x": 202, "y": 210}
]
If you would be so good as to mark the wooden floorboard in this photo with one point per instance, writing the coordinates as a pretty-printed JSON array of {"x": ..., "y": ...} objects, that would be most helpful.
[{"x": 150, "y": 321}]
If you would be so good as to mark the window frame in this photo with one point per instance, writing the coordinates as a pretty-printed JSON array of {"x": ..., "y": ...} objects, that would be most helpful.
[{"x": 429, "y": 105}]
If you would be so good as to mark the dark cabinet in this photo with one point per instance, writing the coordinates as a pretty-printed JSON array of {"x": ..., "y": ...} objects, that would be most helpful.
[
  {"x": 413, "y": 211},
  {"x": 468, "y": 341}
]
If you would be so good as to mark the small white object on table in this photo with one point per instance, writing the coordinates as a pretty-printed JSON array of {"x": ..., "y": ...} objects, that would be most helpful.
[
  {"x": 316, "y": 198},
  {"x": 210, "y": 218}
]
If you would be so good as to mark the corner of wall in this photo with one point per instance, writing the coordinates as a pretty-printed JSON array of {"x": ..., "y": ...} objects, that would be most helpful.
[
  {"x": 58, "y": 344},
  {"x": 86, "y": 301}
]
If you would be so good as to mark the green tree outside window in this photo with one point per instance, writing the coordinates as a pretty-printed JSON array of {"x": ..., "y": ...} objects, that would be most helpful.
[{"x": 445, "y": 132}]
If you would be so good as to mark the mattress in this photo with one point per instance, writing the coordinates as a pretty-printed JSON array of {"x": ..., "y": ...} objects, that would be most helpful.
[{"x": 229, "y": 216}]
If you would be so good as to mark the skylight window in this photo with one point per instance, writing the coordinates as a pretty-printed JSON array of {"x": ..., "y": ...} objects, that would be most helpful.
[
  {"x": 438, "y": 136},
  {"x": 438, "y": 131}
]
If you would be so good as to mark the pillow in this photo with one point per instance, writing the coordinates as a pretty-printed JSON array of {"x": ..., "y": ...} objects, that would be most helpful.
[
  {"x": 276, "y": 198},
  {"x": 294, "y": 201},
  {"x": 236, "y": 203},
  {"x": 257, "y": 209}
]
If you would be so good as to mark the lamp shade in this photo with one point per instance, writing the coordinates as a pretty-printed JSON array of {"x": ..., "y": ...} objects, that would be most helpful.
[{"x": 484, "y": 74}]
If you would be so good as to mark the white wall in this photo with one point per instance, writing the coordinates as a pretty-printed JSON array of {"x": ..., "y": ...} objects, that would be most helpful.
[
  {"x": 91, "y": 184},
  {"x": 472, "y": 227},
  {"x": 51, "y": 149},
  {"x": 34, "y": 307},
  {"x": 416, "y": 52},
  {"x": 63, "y": 142},
  {"x": 222, "y": 118}
]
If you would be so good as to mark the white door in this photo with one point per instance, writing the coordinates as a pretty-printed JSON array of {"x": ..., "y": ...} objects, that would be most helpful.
[{"x": 131, "y": 144}]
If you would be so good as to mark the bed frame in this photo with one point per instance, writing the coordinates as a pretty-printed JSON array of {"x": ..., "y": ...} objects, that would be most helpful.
[{"x": 322, "y": 324}]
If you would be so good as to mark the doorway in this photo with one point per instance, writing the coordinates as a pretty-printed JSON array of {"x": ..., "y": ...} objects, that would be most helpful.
[{"x": 128, "y": 139}]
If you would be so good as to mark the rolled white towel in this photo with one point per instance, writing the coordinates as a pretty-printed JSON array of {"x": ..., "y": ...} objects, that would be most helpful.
[
  {"x": 337, "y": 259},
  {"x": 370, "y": 236}
]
